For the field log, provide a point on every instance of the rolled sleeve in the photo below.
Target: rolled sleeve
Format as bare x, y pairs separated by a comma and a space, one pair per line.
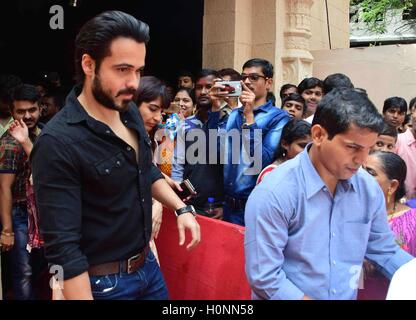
57, 185
155, 173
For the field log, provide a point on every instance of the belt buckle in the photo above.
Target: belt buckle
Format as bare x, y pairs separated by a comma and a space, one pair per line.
132, 260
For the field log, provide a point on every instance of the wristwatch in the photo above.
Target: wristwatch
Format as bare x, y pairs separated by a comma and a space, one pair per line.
188, 208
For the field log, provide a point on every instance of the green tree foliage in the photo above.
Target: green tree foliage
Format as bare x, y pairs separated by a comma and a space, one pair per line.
373, 12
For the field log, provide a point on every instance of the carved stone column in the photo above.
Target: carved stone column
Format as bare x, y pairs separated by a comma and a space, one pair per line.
296, 59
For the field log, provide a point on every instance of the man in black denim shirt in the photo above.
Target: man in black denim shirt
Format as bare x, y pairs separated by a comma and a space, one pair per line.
93, 172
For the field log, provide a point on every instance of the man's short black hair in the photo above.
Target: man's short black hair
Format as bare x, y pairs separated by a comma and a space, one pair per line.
285, 87
25, 92
395, 102
186, 73
266, 66
205, 73
298, 98
309, 83
96, 35
388, 130
336, 80
234, 75
343, 107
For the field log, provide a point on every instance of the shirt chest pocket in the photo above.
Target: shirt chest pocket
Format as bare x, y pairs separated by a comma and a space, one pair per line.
355, 240
111, 166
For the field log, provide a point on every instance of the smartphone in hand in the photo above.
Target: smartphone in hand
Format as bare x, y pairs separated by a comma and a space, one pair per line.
233, 87
188, 189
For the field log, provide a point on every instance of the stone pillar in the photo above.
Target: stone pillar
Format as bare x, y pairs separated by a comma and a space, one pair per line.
296, 59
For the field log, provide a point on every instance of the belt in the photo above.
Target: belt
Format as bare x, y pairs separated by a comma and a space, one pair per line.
236, 203
129, 265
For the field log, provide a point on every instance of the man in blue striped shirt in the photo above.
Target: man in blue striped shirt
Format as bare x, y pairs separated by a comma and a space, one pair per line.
313, 219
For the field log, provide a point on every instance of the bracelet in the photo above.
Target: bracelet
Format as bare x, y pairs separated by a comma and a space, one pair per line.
7, 234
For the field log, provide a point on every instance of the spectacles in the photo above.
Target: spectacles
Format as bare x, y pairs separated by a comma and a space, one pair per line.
252, 76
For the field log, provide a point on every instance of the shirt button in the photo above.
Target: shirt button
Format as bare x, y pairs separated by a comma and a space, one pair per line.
140, 171
107, 171
334, 291
334, 262
128, 148
118, 163
107, 131
142, 199
333, 234
125, 121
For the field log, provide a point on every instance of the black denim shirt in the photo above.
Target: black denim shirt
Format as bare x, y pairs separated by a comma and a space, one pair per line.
94, 199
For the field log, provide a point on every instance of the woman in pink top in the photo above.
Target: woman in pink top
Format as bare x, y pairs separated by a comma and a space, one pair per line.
390, 172
296, 134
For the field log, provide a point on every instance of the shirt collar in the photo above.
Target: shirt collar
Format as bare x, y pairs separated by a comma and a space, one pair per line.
75, 113
264, 108
410, 138
314, 182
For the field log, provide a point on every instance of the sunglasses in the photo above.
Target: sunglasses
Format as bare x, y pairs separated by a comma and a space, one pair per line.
252, 76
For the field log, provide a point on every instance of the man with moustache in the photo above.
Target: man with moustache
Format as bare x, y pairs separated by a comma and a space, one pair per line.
94, 188
313, 220
202, 167
14, 175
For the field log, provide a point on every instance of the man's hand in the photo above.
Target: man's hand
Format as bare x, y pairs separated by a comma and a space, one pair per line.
19, 131
157, 213
219, 213
248, 98
217, 95
188, 221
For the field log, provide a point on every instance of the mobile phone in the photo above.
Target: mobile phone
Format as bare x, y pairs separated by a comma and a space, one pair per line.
233, 87
188, 189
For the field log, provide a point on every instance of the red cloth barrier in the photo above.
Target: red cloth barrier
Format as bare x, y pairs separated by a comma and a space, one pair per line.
214, 270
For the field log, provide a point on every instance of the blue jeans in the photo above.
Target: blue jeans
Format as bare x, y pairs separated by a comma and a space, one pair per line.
233, 216
20, 257
147, 283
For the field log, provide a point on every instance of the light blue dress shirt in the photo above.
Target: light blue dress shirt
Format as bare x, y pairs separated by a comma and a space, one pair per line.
300, 240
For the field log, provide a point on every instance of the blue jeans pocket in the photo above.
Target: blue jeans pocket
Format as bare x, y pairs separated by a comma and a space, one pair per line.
104, 285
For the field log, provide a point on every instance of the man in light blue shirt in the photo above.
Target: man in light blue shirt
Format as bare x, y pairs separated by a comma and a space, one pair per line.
313, 219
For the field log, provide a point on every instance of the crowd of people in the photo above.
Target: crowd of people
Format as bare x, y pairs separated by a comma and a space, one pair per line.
321, 180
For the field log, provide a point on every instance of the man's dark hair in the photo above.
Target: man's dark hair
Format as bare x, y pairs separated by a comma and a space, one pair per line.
186, 73
7, 84
341, 108
284, 88
234, 75
271, 97
293, 130
298, 98
96, 35
395, 168
412, 104
309, 83
25, 92
266, 66
388, 130
336, 80
58, 97
395, 102
205, 73
150, 89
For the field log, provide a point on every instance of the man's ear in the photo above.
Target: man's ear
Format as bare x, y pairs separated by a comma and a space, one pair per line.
88, 65
318, 134
269, 84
